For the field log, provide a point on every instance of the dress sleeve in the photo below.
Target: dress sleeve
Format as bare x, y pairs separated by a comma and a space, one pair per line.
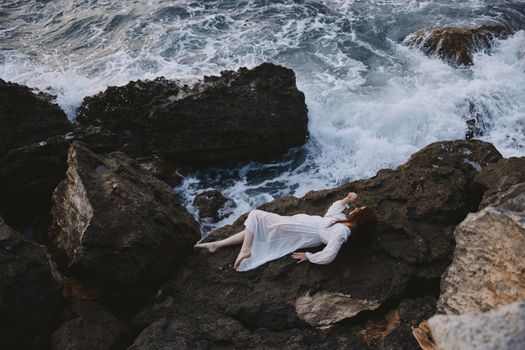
328, 254
336, 208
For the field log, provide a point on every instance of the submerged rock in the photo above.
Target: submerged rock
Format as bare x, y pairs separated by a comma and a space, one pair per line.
32, 152
88, 326
115, 224
209, 204
30, 297
418, 206
249, 114
455, 44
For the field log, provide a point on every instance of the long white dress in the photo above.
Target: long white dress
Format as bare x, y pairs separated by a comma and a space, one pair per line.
276, 235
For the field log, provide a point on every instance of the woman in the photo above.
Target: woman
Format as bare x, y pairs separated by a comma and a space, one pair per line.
269, 236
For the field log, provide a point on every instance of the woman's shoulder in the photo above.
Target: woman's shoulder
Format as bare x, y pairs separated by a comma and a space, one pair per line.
343, 230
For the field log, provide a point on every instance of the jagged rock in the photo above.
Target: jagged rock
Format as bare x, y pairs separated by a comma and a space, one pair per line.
418, 206
32, 152
502, 328
88, 326
117, 225
489, 261
30, 297
455, 44
502, 181
209, 203
249, 114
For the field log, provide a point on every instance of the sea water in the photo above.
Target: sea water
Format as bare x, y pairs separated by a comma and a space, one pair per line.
372, 100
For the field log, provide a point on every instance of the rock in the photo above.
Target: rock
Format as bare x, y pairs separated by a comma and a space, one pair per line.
395, 331
28, 176
502, 328
116, 225
209, 203
27, 118
33, 152
489, 261
88, 326
502, 181
30, 297
418, 205
455, 44
249, 114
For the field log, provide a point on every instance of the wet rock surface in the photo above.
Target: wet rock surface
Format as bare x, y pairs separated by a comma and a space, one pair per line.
116, 225
455, 44
418, 206
88, 326
30, 297
248, 114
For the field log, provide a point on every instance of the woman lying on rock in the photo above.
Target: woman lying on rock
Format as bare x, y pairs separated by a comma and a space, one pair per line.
269, 236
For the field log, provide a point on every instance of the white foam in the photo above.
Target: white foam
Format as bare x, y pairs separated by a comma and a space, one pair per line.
372, 101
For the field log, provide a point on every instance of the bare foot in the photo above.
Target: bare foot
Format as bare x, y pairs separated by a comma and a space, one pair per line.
243, 255
212, 246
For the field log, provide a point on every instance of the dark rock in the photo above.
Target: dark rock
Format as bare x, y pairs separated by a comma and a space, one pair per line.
115, 224
455, 44
28, 176
30, 297
209, 203
502, 181
418, 206
477, 118
88, 326
27, 118
249, 114
395, 330
32, 153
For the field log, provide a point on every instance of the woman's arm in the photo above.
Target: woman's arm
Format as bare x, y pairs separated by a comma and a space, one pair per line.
338, 206
325, 256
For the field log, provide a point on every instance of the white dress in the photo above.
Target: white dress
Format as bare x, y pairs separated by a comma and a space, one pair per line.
276, 235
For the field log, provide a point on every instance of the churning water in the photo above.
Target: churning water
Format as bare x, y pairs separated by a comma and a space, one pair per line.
372, 101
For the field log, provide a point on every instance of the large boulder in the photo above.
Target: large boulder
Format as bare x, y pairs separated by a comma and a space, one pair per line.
33, 150
502, 328
456, 44
418, 206
30, 297
249, 114
88, 326
115, 224
489, 260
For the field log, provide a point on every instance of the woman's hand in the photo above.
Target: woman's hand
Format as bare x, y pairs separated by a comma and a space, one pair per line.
350, 197
300, 257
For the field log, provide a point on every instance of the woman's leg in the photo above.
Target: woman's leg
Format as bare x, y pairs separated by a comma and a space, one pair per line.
235, 239
246, 249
